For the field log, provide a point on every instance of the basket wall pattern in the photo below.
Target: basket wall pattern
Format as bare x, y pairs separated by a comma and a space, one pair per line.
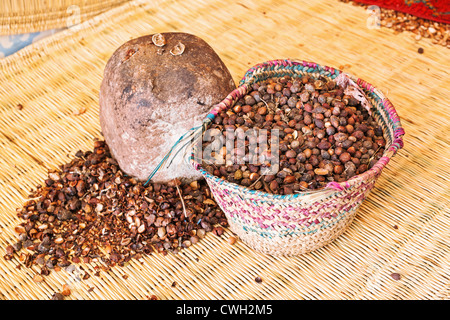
302, 222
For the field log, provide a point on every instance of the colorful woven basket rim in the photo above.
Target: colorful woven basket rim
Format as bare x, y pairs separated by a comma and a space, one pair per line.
309, 67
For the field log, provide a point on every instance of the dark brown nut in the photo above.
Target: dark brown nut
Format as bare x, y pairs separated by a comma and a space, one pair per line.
347, 143
338, 169
340, 137
254, 176
19, 229
57, 296
344, 157
274, 186
218, 231
247, 108
324, 145
358, 134
291, 154
262, 111
321, 171
289, 179
396, 276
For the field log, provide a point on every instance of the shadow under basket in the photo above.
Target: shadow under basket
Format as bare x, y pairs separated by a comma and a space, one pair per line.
302, 222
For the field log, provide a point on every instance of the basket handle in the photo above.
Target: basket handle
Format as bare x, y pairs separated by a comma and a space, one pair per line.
398, 131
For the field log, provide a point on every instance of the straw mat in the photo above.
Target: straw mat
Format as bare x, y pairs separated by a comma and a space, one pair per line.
25, 16
402, 227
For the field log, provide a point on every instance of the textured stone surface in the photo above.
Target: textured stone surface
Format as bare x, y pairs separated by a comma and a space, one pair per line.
148, 99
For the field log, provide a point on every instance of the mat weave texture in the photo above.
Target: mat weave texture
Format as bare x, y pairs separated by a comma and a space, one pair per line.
25, 16
402, 227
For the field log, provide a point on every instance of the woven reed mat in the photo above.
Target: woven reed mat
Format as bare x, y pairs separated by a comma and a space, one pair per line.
402, 227
25, 16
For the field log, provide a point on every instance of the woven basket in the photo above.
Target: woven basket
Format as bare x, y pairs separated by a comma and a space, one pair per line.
298, 223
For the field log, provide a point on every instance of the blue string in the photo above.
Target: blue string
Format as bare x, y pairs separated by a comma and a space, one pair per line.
168, 154
183, 147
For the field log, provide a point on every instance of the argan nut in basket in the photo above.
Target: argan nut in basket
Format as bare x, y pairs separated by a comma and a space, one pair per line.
305, 220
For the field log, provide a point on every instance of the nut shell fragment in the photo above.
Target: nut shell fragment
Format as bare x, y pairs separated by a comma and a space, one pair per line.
158, 40
178, 49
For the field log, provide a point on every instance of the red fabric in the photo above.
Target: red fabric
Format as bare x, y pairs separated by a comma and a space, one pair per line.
436, 10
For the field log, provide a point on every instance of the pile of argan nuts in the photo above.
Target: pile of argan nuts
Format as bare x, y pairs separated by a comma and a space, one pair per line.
91, 211
324, 135
420, 28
